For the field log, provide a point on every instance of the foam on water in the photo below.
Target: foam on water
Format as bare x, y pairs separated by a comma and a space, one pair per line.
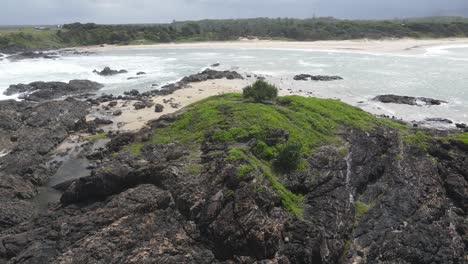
436, 74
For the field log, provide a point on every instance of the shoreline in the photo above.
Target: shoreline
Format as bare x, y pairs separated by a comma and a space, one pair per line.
385, 46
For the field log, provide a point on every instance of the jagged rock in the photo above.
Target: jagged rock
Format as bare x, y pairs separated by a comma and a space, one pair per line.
109, 72
397, 99
39, 91
31, 132
306, 77
212, 74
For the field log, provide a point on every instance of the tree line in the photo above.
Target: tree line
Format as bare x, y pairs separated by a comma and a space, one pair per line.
263, 28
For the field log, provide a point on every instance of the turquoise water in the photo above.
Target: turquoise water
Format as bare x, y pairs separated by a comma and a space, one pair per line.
439, 73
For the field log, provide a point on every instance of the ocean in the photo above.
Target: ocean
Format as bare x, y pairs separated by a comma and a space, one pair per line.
440, 73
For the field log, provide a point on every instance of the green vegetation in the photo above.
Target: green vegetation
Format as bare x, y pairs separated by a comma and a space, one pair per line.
230, 119
31, 39
244, 170
98, 137
360, 209
463, 137
231, 29
194, 168
260, 91
418, 139
289, 157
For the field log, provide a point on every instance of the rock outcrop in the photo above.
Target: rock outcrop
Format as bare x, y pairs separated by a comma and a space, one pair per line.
33, 55
409, 100
40, 91
109, 72
28, 133
322, 78
373, 198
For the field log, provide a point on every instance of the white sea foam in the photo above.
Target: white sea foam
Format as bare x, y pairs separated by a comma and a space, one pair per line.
365, 74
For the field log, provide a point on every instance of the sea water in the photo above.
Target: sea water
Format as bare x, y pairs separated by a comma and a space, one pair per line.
440, 73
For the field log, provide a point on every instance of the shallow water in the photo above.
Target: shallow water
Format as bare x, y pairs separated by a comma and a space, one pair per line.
438, 73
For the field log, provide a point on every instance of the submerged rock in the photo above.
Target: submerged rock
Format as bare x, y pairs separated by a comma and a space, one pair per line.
409, 100
39, 91
306, 77
109, 72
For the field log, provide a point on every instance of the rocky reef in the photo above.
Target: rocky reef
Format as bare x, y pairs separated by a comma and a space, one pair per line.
409, 100
40, 91
321, 78
109, 72
208, 185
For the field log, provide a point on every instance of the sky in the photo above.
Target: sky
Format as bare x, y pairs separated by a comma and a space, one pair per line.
29, 12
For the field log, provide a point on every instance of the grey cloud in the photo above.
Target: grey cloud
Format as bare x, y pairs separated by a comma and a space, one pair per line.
154, 11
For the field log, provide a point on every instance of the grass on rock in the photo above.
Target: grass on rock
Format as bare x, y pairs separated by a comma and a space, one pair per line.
229, 119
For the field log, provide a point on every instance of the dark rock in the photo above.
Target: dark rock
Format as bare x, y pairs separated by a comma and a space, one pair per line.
461, 125
33, 131
397, 99
439, 120
158, 108
141, 73
132, 93
40, 91
215, 65
109, 72
212, 74
117, 112
112, 104
139, 105
306, 77
33, 55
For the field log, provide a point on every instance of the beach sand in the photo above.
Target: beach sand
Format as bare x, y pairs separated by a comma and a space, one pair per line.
405, 46
133, 120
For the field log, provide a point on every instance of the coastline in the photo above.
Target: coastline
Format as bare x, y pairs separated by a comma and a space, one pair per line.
390, 46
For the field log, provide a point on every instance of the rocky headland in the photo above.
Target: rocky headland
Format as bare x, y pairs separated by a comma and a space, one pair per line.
209, 183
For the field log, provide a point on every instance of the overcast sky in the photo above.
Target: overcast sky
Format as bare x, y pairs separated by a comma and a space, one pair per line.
155, 11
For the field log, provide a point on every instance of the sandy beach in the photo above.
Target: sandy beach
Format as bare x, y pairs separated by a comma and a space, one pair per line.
406, 46
133, 120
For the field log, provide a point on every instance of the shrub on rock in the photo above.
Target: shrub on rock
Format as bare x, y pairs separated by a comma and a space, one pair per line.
260, 91
289, 157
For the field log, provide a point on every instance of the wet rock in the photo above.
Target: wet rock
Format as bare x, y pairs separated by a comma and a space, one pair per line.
141, 73
211, 75
40, 91
306, 77
109, 72
439, 120
34, 130
461, 125
33, 55
409, 100
132, 93
215, 65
